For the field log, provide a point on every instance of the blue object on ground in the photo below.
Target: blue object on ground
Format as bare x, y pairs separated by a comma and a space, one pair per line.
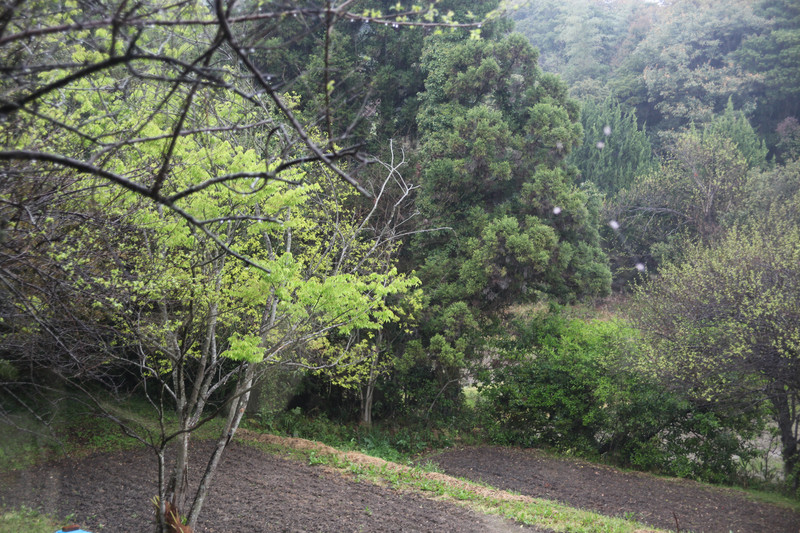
70, 530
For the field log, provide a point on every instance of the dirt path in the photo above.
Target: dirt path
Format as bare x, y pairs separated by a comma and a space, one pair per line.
611, 492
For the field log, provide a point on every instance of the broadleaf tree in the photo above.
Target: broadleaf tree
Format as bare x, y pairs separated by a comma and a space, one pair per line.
697, 192
157, 213
723, 325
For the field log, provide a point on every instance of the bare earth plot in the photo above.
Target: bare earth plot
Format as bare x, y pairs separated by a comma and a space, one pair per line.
611, 492
255, 491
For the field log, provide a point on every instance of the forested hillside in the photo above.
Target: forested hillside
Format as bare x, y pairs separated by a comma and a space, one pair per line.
409, 214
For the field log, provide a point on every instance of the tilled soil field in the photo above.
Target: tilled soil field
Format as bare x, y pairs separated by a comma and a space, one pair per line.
661, 502
255, 491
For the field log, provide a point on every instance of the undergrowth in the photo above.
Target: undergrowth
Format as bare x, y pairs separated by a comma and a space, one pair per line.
399, 444
74, 430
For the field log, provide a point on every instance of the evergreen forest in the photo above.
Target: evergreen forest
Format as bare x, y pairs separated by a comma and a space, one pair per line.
561, 224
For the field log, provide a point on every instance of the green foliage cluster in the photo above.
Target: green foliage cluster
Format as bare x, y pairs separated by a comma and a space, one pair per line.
724, 323
614, 150
735, 126
512, 225
772, 55
581, 40
570, 385
698, 191
495, 179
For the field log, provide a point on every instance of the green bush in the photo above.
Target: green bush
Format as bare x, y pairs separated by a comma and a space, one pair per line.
551, 393
571, 385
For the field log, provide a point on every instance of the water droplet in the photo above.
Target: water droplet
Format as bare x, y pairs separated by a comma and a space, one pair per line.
640, 267
614, 224
607, 130
556, 210
600, 145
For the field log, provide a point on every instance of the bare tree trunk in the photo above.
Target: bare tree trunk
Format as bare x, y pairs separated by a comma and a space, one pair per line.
191, 399
366, 400
368, 394
179, 481
235, 414
787, 425
236, 411
161, 524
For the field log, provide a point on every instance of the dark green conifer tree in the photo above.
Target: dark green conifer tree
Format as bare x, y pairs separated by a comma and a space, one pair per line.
614, 149
494, 131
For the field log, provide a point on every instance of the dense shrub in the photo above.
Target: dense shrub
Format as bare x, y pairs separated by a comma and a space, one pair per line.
550, 396
573, 386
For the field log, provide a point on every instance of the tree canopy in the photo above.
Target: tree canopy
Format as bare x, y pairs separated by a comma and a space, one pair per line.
724, 324
173, 221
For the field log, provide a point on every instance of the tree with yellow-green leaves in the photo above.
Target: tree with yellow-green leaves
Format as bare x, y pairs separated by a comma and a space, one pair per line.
125, 291
171, 223
723, 325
